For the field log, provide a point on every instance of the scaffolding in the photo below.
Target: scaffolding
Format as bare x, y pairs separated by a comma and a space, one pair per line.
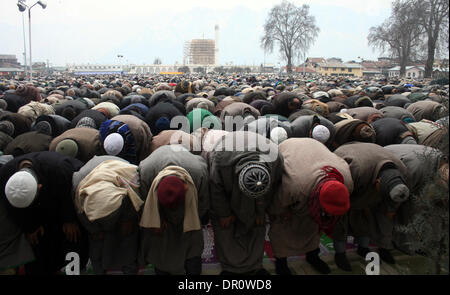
200, 51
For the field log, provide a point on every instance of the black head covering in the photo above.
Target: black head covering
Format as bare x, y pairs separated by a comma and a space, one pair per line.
389, 131
281, 103
255, 95
159, 111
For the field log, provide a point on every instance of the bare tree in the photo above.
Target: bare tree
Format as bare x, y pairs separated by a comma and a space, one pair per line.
445, 35
400, 35
433, 19
291, 28
157, 61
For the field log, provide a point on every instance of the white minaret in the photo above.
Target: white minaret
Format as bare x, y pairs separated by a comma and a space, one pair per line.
216, 51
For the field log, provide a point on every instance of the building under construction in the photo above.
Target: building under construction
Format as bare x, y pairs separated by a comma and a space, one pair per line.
202, 51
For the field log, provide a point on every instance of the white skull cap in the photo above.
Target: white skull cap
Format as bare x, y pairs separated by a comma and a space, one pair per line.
113, 144
321, 133
21, 189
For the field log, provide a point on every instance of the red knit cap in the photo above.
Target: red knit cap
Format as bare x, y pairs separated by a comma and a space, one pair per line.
334, 198
171, 192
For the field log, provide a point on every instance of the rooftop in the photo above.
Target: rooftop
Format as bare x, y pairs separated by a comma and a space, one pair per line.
10, 70
316, 59
340, 65
397, 68
7, 56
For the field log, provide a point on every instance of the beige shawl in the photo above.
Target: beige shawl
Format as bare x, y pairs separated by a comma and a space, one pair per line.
35, 109
101, 192
150, 216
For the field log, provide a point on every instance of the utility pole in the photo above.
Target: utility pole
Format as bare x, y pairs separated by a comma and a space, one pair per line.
24, 49
29, 43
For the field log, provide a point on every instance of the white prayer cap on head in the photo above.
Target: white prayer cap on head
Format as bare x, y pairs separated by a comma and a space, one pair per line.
21, 189
113, 144
278, 135
321, 133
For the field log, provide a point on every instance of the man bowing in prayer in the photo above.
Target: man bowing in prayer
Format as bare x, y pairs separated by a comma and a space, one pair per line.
314, 192
175, 185
38, 189
244, 171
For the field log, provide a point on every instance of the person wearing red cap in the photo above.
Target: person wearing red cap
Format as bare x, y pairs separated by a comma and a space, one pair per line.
171, 192
381, 188
175, 185
315, 190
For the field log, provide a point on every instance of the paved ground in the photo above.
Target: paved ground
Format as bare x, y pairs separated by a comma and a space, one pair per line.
406, 265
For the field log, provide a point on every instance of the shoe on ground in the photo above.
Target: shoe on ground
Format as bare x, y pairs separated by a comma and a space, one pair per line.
342, 261
362, 251
386, 256
281, 268
318, 264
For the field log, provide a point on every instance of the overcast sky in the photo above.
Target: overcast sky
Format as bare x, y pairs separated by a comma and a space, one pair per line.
96, 31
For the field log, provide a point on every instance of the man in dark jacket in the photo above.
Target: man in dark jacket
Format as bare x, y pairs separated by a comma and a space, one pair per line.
286, 103
37, 187
392, 131
380, 187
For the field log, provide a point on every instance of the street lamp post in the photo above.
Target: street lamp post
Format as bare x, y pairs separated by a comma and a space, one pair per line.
22, 7
24, 47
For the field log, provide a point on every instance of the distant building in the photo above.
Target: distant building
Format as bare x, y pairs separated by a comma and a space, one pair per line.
440, 72
9, 61
371, 72
59, 69
10, 72
152, 69
95, 69
300, 70
440, 63
374, 68
200, 51
40, 68
313, 62
335, 60
410, 72
340, 69
9, 66
387, 59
